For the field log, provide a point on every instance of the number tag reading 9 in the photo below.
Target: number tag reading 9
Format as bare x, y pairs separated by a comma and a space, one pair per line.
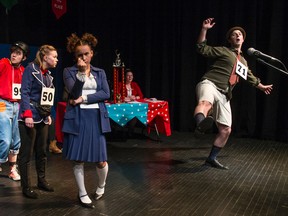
16, 91
241, 70
47, 96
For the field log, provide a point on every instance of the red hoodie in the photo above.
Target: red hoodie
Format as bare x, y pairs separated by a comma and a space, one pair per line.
6, 78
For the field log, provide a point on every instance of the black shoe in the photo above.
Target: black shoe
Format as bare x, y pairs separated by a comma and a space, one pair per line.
204, 126
99, 193
86, 205
27, 192
45, 186
215, 164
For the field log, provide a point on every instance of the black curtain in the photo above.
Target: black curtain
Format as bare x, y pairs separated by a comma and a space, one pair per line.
157, 39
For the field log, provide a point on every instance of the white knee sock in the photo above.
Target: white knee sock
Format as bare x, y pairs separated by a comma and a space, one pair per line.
79, 177
102, 175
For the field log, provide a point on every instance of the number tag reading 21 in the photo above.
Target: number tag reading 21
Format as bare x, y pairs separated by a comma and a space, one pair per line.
241, 70
16, 91
47, 96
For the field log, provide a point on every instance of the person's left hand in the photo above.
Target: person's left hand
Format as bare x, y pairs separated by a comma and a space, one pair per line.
76, 101
49, 120
265, 88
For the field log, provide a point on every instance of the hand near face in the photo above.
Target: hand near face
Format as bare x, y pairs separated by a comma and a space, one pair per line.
81, 65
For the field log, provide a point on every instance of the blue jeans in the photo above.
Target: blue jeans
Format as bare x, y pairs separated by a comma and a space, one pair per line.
9, 130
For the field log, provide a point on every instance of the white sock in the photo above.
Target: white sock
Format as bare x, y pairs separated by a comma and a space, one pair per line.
79, 177
102, 175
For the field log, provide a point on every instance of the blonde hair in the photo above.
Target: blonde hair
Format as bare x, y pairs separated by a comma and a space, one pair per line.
43, 50
74, 41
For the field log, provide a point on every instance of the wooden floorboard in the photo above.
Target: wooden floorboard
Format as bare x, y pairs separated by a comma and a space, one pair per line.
166, 177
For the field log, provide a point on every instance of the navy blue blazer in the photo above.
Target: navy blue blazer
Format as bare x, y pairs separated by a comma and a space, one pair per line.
31, 88
72, 121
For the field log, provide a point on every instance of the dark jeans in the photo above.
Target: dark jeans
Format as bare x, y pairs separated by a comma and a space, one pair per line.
33, 140
51, 131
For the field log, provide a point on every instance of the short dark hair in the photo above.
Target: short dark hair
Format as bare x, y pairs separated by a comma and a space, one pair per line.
20, 45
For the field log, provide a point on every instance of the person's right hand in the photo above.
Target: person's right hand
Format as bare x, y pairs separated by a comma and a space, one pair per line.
208, 23
81, 65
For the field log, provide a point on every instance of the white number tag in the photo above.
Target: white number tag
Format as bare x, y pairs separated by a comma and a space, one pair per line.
241, 70
16, 91
47, 96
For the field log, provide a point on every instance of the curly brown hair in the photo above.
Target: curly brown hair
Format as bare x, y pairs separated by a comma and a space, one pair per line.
74, 41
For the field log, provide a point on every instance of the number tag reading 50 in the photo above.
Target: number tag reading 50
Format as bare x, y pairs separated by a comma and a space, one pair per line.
47, 96
241, 70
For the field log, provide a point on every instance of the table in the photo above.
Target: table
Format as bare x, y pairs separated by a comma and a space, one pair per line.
122, 113
158, 115
153, 114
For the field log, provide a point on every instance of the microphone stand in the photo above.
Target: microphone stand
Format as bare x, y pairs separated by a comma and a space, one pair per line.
270, 65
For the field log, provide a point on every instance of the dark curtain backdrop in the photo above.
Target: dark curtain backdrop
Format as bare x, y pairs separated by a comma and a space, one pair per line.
157, 39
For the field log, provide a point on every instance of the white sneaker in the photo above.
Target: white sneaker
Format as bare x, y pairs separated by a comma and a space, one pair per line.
14, 175
99, 193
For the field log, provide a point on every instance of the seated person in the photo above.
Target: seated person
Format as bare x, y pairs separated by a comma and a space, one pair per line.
133, 91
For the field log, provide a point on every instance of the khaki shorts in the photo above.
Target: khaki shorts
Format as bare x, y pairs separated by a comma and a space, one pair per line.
207, 91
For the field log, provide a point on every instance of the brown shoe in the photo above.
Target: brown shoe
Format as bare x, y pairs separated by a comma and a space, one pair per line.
54, 148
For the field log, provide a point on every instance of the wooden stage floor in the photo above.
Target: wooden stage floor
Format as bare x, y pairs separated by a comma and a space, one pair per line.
166, 178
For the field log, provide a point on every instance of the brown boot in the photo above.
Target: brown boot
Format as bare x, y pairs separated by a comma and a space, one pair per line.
54, 148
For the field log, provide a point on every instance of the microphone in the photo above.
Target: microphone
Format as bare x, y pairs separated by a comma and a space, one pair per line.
253, 52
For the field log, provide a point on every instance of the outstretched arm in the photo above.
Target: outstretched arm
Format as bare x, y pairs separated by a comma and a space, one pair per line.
265, 88
207, 24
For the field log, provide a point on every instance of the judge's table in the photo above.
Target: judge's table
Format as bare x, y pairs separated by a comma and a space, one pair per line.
152, 113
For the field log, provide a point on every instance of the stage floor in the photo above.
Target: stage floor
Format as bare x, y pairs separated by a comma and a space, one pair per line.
165, 178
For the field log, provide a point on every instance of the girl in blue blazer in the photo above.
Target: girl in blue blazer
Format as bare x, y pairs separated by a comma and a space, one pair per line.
37, 90
86, 118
